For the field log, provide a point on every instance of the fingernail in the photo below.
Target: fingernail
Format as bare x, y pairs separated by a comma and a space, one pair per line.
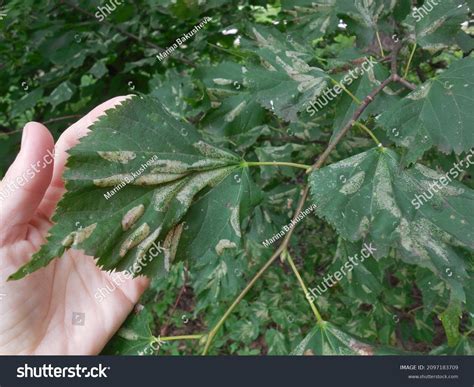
26, 129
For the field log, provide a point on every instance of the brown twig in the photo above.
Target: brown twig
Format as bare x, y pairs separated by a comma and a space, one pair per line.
61, 118
365, 103
304, 194
404, 82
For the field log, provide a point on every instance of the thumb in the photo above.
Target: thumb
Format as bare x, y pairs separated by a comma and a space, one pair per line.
26, 181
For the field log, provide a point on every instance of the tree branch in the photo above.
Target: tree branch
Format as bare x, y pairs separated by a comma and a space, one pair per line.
61, 118
394, 71
365, 103
320, 161
404, 82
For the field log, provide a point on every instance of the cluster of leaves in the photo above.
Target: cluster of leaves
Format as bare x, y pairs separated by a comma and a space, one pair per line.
236, 96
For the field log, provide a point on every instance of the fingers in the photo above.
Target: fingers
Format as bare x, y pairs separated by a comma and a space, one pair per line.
67, 140
25, 183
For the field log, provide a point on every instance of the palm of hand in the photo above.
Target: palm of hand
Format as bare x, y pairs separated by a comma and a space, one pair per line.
54, 310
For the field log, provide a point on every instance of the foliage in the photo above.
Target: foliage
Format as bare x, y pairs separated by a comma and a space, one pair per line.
227, 152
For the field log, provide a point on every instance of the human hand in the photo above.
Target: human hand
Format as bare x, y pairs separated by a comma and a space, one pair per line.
37, 311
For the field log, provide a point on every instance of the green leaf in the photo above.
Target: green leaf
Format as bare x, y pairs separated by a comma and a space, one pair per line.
130, 182
433, 290
212, 234
27, 102
369, 197
276, 342
464, 347
438, 113
451, 319
366, 13
99, 69
61, 94
245, 331
286, 83
313, 19
175, 91
326, 339
236, 108
366, 17
437, 26
134, 337
277, 153
362, 282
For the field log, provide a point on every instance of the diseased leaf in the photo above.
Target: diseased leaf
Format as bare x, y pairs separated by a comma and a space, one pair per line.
366, 17
326, 339
235, 109
362, 281
175, 91
438, 113
437, 24
286, 82
312, 19
276, 342
369, 197
245, 331
61, 94
129, 184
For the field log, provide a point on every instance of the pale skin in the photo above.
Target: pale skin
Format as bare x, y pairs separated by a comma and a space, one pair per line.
36, 311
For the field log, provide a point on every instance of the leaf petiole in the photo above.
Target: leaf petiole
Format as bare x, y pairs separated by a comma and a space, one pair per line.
369, 132
354, 98
286, 255
409, 61
274, 163
184, 337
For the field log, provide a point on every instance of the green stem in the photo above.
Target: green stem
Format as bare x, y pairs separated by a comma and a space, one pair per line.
356, 100
264, 268
369, 132
287, 255
274, 163
409, 61
380, 43
184, 337
236, 302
